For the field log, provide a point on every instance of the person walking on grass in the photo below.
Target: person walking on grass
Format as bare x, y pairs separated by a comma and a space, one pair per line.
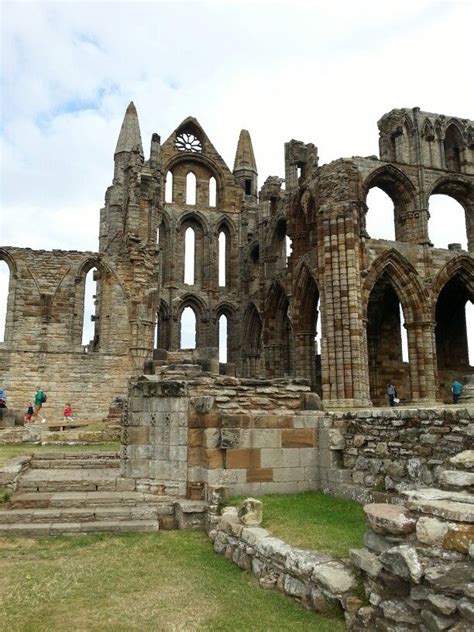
40, 398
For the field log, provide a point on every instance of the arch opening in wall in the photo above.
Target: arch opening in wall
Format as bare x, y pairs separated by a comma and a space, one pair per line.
4, 293
380, 215
212, 191
169, 188
288, 248
189, 255
447, 222
454, 334
387, 344
308, 330
278, 333
162, 329
191, 186
223, 338
453, 143
188, 328
223, 258
251, 342
89, 321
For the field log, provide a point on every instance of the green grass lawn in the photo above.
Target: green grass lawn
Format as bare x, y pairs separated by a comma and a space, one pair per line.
169, 581
312, 520
22, 449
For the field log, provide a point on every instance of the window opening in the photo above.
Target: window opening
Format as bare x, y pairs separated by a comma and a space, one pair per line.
191, 189
380, 216
189, 254
403, 336
158, 235
223, 338
4, 285
188, 328
288, 246
470, 331
248, 187
188, 142
90, 295
222, 258
447, 224
212, 191
169, 187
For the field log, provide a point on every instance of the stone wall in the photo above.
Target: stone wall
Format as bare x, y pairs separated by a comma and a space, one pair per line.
394, 449
417, 564
315, 579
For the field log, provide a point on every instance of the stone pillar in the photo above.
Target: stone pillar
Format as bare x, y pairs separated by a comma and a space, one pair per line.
422, 359
344, 378
304, 365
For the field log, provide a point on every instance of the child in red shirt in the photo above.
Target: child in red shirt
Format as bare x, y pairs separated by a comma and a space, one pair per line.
68, 413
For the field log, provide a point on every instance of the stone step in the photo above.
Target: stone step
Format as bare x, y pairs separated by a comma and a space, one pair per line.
78, 514
41, 500
70, 479
66, 463
456, 479
59, 528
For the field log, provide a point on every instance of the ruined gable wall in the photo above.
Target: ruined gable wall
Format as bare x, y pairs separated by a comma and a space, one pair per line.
43, 342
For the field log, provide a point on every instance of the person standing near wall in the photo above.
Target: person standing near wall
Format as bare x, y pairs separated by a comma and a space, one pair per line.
391, 394
456, 390
40, 398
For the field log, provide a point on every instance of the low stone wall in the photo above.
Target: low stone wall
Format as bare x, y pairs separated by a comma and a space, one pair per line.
379, 453
317, 580
418, 564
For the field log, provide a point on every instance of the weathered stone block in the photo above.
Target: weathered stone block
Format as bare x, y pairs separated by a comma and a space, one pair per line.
298, 438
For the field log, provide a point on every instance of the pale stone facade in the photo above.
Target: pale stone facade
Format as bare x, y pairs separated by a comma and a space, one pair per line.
336, 275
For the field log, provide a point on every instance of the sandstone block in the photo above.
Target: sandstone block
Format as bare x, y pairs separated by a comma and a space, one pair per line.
250, 512
459, 538
246, 458
298, 438
383, 519
264, 474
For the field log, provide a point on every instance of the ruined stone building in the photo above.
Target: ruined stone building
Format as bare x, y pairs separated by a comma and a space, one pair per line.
338, 280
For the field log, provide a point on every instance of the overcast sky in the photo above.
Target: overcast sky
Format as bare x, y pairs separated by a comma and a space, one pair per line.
321, 72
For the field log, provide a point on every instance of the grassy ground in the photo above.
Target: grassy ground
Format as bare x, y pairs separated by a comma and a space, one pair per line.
314, 521
21, 449
169, 581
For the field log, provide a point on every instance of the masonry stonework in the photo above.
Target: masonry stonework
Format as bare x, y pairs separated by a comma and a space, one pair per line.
337, 280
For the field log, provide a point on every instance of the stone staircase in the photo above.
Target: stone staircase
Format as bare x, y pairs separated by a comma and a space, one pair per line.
81, 493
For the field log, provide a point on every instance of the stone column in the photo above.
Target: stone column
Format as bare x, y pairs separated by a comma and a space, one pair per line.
304, 365
422, 359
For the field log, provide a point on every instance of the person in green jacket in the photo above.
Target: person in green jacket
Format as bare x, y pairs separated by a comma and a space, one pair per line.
456, 390
40, 398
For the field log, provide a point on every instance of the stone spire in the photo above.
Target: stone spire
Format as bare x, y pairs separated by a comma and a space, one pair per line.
244, 156
245, 167
129, 136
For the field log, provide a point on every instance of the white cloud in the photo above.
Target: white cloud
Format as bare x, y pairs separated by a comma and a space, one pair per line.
321, 72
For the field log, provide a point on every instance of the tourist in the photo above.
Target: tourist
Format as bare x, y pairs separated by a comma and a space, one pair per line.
29, 412
68, 413
40, 398
391, 393
456, 390
3, 398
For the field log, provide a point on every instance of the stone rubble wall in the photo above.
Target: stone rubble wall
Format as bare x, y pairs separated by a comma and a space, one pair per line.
417, 564
315, 579
379, 453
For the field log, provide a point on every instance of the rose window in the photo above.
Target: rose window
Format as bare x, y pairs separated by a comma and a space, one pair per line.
188, 142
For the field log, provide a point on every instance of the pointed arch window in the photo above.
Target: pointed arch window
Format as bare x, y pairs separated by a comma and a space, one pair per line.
222, 259
223, 323
452, 148
189, 255
89, 313
191, 189
169, 187
188, 328
212, 191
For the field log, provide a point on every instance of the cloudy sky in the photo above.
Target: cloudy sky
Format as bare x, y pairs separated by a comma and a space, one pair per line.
321, 72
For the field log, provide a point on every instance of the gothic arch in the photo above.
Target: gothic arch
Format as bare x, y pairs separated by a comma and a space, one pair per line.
306, 296
404, 279
394, 183
277, 331
251, 341
163, 325
462, 266
201, 313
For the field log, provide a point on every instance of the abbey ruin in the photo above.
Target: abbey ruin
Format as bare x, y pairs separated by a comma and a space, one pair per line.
337, 280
